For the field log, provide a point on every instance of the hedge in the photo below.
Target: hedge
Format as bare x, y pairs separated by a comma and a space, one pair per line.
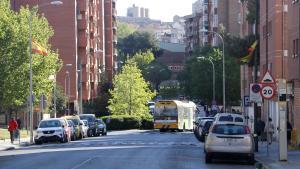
125, 122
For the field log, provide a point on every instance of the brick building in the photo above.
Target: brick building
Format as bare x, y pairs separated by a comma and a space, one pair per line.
211, 15
84, 37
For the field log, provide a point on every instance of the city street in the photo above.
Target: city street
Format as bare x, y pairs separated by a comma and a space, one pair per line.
132, 149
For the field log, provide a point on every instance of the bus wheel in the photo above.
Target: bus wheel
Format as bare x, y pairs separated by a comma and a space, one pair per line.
162, 130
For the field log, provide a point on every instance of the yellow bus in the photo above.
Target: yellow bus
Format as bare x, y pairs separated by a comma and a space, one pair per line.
174, 115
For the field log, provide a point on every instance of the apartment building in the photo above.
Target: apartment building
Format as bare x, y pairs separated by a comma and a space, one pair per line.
84, 37
211, 15
293, 62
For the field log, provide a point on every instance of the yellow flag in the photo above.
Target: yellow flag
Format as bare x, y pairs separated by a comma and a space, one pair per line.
38, 49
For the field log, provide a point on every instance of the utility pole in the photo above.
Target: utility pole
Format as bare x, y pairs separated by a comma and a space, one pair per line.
256, 56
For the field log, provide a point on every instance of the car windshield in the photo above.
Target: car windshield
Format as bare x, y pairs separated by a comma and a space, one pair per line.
89, 118
50, 123
230, 129
100, 121
75, 121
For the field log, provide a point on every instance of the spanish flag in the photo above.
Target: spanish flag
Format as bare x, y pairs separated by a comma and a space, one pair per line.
38, 49
248, 58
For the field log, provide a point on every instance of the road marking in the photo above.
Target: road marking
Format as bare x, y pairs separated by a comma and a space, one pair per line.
84, 162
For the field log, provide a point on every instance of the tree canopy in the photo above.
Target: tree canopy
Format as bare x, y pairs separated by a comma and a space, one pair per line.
197, 81
130, 93
137, 42
14, 56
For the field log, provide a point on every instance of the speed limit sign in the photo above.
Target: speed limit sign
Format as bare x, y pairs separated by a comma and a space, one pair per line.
267, 92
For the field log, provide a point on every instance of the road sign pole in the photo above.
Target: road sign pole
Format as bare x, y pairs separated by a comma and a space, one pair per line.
282, 110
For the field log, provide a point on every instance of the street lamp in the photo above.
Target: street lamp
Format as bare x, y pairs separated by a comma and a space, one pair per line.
80, 90
214, 80
30, 68
67, 82
53, 78
224, 97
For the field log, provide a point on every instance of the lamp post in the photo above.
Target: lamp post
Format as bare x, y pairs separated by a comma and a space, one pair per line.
30, 68
67, 87
53, 78
214, 79
80, 90
224, 89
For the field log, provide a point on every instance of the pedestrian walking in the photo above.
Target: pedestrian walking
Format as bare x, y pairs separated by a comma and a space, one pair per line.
289, 128
260, 129
12, 127
19, 123
270, 129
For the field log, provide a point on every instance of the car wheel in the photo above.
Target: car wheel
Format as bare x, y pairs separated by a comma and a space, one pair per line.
207, 159
251, 160
38, 142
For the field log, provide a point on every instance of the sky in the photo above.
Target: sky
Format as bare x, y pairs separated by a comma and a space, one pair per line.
158, 9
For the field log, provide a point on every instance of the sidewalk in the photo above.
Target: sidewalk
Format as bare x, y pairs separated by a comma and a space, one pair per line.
6, 145
271, 160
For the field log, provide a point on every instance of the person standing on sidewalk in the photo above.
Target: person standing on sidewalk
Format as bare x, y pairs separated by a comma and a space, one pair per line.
270, 129
12, 127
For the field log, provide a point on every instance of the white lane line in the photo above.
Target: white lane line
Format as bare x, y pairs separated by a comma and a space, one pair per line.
84, 162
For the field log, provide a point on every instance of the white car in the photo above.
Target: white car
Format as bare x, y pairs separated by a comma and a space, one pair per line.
84, 127
229, 140
54, 129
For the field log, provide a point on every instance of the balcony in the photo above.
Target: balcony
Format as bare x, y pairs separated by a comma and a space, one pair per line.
82, 25
82, 6
114, 12
82, 39
115, 39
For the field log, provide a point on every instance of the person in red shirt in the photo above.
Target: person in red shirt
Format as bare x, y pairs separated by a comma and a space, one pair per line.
12, 126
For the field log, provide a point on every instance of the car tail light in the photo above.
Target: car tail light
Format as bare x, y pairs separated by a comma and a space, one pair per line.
248, 131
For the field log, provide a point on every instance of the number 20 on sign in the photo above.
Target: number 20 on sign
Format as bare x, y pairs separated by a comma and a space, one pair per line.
267, 92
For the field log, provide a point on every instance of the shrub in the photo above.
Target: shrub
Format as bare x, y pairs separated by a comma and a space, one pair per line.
125, 122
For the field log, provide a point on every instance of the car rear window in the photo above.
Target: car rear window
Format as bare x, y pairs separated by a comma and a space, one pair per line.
226, 118
238, 119
230, 129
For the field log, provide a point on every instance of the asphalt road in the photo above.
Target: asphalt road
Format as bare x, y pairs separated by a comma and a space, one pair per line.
119, 150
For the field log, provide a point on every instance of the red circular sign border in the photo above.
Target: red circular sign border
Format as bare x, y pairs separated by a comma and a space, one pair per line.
267, 85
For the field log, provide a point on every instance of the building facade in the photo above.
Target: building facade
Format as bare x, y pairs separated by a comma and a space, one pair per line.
81, 29
211, 15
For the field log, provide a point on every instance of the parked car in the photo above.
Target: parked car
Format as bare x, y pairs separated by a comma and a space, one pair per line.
93, 129
77, 124
102, 127
229, 140
85, 128
54, 129
72, 129
230, 117
203, 128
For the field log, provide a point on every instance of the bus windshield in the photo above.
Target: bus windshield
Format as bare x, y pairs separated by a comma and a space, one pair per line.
162, 111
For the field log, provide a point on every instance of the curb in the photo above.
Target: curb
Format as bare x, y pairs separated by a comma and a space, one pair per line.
7, 148
260, 165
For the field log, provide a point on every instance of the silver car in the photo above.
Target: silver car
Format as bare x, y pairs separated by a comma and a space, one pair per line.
231, 140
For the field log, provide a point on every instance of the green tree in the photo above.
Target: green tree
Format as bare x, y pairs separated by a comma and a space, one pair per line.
137, 42
143, 59
155, 73
124, 30
196, 79
130, 93
14, 56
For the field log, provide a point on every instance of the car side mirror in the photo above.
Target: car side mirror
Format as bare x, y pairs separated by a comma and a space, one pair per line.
35, 127
63, 126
